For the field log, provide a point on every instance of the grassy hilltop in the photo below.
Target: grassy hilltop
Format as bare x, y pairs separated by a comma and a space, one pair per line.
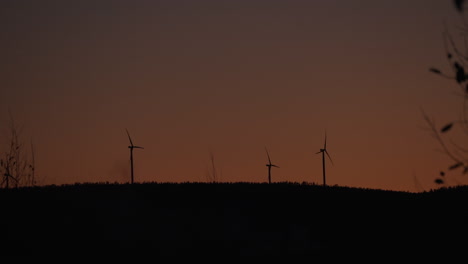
229, 218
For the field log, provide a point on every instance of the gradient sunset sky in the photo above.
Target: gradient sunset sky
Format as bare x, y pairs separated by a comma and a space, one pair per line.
187, 78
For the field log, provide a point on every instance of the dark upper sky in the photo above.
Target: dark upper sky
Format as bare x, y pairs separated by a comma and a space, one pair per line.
230, 77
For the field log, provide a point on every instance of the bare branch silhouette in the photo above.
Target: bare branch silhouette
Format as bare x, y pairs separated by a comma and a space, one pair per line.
457, 58
212, 172
15, 166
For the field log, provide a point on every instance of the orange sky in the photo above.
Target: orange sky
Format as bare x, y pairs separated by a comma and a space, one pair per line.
231, 77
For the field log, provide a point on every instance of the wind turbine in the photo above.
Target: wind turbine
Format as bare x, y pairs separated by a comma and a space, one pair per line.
269, 165
324, 151
131, 147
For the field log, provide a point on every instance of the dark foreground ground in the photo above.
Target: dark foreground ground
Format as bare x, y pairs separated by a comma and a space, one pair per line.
238, 219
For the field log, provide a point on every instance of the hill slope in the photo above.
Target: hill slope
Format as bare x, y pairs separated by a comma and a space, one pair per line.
229, 218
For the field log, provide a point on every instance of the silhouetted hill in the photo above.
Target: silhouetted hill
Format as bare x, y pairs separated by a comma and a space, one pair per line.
242, 219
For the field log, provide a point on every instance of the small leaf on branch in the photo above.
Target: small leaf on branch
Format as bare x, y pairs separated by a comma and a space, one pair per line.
456, 165
442, 173
439, 181
459, 5
434, 70
449, 55
446, 127
460, 75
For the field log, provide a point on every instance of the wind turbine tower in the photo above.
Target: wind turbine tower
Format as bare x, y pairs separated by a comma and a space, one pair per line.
269, 165
131, 147
324, 151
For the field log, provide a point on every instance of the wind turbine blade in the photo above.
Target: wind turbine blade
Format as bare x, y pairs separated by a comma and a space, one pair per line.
268, 155
129, 138
275, 166
137, 147
328, 155
325, 144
